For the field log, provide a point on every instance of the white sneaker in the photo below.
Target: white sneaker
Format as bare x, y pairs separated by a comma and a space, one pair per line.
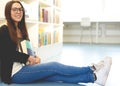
98, 66
102, 74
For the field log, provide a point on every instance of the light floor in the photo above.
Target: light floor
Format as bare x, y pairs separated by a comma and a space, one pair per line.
85, 54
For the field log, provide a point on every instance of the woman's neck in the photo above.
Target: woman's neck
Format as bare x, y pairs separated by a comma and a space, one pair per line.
19, 34
16, 24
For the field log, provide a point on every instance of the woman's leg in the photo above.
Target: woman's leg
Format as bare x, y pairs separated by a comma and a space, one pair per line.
41, 71
85, 78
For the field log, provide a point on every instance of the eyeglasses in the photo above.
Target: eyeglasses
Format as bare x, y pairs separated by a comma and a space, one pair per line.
17, 9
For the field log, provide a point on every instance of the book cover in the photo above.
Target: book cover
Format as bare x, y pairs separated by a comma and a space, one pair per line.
27, 47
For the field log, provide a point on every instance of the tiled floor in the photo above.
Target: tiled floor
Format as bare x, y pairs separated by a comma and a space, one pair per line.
85, 54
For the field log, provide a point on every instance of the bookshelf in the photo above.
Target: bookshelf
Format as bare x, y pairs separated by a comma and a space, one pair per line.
45, 27
2, 18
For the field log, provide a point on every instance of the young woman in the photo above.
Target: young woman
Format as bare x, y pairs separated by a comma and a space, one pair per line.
13, 62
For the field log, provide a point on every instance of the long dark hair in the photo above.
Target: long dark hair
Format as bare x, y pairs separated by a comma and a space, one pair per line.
11, 24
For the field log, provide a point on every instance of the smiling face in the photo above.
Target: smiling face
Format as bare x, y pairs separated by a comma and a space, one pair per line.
16, 12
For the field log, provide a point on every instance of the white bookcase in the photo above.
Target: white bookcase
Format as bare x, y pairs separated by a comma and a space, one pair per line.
45, 27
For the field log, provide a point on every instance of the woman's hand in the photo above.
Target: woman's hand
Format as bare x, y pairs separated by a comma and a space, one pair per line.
38, 60
31, 60
34, 60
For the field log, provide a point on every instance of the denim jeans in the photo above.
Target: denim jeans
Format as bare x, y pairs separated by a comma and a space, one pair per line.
54, 71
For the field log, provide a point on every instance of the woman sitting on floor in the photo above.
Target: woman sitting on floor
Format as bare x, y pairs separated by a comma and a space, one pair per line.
13, 62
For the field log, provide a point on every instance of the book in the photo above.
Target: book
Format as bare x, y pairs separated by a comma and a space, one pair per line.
27, 47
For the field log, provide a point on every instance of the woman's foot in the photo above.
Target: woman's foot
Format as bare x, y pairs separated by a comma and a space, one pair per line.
98, 66
103, 73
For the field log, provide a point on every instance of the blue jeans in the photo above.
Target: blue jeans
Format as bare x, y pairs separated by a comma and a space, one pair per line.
54, 71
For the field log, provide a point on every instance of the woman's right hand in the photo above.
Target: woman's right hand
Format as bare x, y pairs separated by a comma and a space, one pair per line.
32, 60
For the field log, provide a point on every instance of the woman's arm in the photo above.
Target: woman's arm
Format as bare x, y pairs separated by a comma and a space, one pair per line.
8, 48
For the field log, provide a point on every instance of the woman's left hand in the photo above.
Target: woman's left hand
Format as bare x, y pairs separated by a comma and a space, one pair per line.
37, 60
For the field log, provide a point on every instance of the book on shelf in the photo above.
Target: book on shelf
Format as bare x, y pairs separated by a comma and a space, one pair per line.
43, 13
56, 37
26, 47
44, 37
41, 36
49, 37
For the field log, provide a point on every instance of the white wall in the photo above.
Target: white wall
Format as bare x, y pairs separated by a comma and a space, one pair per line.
108, 32
97, 10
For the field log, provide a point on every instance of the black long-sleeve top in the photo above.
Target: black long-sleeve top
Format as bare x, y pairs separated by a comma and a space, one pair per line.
8, 55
